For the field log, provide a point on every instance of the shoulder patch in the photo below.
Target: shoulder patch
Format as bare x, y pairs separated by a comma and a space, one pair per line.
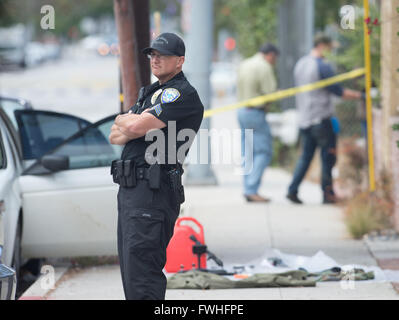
155, 96
170, 95
157, 108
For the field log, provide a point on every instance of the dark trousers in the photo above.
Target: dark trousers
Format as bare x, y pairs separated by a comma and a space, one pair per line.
322, 136
146, 220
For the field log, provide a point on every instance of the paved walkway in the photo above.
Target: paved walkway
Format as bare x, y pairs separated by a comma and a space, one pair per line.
237, 232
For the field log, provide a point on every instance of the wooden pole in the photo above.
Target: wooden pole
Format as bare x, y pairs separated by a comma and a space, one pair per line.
132, 23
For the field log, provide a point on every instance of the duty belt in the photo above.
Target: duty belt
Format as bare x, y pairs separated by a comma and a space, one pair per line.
126, 174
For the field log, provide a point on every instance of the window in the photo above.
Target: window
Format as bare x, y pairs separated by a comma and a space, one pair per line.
42, 131
91, 147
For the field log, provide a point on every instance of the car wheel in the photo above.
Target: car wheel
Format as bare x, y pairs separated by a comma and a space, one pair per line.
16, 259
34, 266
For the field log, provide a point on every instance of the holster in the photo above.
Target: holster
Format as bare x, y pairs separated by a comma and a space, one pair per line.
175, 180
129, 173
154, 176
124, 173
113, 171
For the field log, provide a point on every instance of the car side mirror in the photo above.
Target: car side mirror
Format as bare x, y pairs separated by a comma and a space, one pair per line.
55, 162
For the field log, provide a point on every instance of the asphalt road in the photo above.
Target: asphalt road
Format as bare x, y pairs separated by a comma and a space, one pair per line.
80, 83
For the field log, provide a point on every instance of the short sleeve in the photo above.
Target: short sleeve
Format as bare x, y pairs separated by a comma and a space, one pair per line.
176, 106
325, 72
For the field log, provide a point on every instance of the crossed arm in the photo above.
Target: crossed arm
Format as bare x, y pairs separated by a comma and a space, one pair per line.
131, 126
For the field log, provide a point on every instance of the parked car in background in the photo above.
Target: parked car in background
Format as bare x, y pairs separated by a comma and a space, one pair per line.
101, 44
12, 45
35, 53
38, 52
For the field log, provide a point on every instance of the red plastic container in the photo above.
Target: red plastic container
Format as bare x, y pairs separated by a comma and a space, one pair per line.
180, 249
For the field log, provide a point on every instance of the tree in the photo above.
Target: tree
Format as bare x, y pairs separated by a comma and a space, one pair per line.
252, 21
326, 12
350, 54
68, 13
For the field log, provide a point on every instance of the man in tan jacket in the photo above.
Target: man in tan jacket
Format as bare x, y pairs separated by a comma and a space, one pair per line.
255, 78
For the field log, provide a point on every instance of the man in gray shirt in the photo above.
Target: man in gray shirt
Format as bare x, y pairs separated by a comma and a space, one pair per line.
315, 110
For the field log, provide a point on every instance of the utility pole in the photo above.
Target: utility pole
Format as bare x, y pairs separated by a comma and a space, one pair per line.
295, 39
132, 21
198, 18
387, 138
141, 10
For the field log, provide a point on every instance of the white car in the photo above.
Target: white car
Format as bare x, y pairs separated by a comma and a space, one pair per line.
9, 200
68, 196
63, 200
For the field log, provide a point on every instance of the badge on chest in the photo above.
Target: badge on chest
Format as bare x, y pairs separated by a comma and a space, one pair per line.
155, 96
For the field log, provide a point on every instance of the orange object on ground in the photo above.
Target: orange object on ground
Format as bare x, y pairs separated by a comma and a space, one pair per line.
241, 276
180, 249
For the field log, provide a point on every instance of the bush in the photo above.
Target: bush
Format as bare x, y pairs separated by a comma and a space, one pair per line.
352, 167
369, 211
284, 156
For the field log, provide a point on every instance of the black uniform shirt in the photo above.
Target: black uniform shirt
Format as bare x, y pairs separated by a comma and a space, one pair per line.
175, 100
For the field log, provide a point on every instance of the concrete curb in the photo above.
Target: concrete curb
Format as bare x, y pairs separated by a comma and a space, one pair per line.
38, 291
386, 253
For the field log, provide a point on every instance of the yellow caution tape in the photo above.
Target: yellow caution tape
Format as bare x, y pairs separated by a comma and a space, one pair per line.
287, 92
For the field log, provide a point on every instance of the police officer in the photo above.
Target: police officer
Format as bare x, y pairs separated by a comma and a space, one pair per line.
150, 191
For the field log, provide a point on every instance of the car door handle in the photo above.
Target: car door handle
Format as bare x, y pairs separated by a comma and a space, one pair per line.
2, 206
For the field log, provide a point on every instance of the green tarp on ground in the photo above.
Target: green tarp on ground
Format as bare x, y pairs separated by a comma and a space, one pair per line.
195, 279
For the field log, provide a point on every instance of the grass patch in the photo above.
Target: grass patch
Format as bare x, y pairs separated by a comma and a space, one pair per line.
367, 212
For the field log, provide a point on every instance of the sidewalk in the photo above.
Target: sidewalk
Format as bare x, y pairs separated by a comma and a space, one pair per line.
237, 232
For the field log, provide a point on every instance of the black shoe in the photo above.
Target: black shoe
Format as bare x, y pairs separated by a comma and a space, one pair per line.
330, 199
256, 198
294, 198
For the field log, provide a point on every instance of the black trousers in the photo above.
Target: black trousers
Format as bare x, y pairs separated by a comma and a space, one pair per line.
146, 220
321, 135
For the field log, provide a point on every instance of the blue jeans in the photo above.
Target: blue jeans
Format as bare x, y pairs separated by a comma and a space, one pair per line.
256, 149
322, 136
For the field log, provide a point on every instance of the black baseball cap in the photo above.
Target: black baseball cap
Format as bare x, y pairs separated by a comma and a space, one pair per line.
167, 43
269, 48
